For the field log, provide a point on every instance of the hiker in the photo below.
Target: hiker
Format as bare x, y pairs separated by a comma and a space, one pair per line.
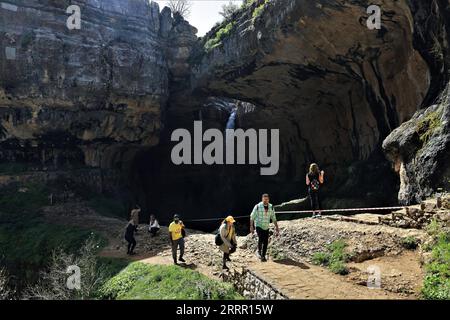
135, 215
176, 233
153, 226
260, 218
314, 179
227, 233
129, 236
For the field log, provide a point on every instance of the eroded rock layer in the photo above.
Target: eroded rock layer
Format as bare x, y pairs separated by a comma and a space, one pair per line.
112, 93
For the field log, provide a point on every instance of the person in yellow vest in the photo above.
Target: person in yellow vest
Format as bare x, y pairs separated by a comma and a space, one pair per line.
176, 238
227, 233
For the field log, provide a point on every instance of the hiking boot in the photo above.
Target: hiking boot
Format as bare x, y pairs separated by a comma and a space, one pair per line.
263, 259
181, 260
175, 263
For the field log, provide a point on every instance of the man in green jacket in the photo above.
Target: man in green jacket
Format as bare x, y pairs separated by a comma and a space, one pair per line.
261, 217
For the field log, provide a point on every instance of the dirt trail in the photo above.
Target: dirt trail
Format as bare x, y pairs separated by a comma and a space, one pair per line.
294, 276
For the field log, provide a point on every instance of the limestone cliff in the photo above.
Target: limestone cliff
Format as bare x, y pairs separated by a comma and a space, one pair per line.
112, 92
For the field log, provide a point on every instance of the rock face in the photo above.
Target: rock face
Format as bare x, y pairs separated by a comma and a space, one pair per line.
334, 88
110, 94
82, 96
420, 148
420, 151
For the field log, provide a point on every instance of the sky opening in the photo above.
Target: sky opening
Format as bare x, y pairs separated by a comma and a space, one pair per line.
204, 13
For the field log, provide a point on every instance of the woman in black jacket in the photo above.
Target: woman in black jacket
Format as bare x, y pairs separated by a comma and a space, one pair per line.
314, 180
129, 236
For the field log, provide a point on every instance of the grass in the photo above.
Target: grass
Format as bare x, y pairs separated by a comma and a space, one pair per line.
436, 285
155, 282
334, 258
109, 207
26, 239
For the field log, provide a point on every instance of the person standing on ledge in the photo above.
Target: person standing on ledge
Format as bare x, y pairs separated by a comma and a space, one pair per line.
176, 229
260, 219
314, 180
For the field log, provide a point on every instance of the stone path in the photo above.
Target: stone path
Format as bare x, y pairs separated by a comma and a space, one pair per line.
294, 276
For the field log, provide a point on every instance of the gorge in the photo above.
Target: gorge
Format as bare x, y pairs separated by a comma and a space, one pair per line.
100, 103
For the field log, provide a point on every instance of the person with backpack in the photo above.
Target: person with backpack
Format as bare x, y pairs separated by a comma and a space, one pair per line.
262, 214
177, 234
131, 228
226, 240
314, 180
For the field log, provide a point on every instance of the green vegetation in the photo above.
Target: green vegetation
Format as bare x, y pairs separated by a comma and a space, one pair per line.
436, 285
142, 281
259, 10
428, 125
219, 36
107, 206
26, 239
276, 254
13, 168
321, 258
410, 243
335, 257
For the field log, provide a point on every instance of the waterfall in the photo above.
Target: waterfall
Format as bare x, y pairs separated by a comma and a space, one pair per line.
231, 124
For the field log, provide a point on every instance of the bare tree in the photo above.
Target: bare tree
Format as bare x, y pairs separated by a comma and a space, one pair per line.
182, 7
52, 284
229, 9
5, 292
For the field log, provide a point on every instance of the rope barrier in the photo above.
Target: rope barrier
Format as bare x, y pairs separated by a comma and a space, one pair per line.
308, 212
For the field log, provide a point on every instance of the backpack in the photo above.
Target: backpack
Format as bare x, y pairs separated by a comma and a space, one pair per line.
218, 239
314, 184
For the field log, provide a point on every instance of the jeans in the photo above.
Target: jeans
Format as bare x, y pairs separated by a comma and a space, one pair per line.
315, 201
131, 244
263, 241
175, 245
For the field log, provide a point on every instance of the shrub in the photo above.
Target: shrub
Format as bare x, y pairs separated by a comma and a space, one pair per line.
321, 258
52, 283
219, 36
335, 257
410, 243
338, 267
6, 292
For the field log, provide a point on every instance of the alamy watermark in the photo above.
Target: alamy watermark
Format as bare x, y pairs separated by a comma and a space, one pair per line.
74, 280
374, 277
374, 20
235, 146
74, 20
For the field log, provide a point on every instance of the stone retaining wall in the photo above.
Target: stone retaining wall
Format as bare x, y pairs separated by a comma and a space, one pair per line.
253, 287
